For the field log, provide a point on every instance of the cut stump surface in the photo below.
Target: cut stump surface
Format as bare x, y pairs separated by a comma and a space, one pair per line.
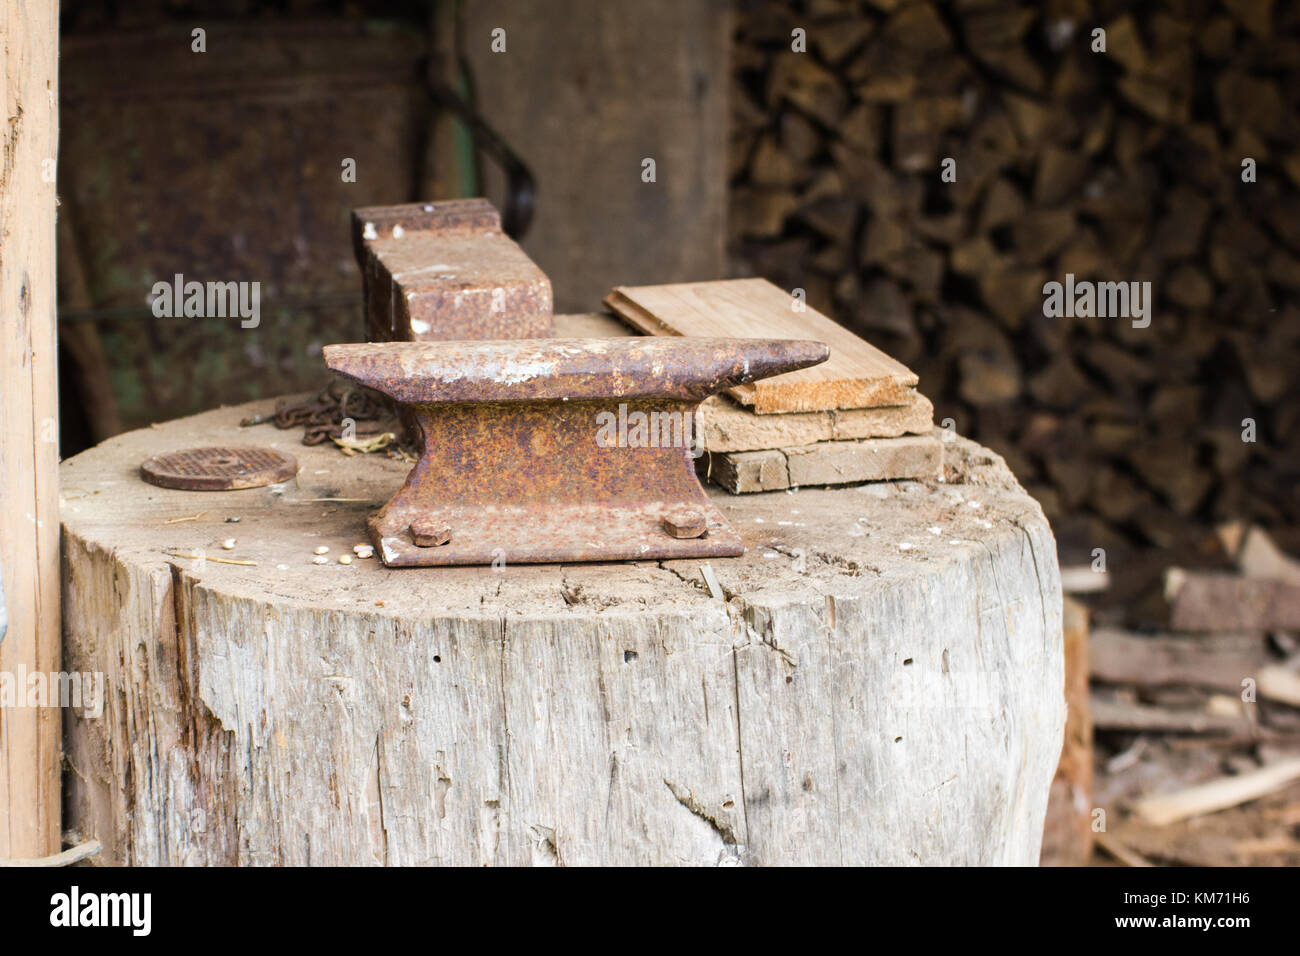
879, 682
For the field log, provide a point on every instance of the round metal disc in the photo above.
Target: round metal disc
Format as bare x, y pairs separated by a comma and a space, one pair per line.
218, 469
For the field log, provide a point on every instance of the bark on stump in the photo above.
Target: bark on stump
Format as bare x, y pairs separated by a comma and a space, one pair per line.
880, 683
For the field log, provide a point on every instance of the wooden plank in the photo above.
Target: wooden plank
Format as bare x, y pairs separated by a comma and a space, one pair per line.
722, 425
589, 325
828, 463
913, 417
857, 375
29, 451
747, 471
873, 459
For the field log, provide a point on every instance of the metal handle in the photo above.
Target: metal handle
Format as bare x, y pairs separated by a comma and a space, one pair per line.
521, 190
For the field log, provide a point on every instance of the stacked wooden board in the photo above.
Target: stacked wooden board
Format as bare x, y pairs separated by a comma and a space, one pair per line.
857, 417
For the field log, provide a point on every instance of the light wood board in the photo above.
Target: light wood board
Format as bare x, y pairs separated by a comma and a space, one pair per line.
722, 425
828, 463
29, 438
857, 375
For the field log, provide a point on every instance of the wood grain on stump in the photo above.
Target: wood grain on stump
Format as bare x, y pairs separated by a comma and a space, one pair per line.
879, 683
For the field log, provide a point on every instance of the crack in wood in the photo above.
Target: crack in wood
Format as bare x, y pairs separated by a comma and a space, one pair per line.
687, 799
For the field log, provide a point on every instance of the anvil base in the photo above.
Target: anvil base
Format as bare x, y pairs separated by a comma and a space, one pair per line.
501, 535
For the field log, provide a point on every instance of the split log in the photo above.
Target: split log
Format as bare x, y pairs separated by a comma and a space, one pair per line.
1220, 661
1280, 684
1217, 601
1111, 714
842, 699
1163, 809
1256, 556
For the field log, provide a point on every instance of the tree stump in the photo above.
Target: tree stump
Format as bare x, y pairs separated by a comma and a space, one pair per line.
878, 682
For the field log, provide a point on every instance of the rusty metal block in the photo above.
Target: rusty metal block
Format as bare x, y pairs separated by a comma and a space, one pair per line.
445, 270
557, 450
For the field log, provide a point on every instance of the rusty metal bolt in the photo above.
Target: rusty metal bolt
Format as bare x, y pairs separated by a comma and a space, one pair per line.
684, 524
429, 532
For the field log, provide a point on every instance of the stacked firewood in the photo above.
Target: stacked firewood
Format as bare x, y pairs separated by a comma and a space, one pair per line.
1173, 157
1202, 717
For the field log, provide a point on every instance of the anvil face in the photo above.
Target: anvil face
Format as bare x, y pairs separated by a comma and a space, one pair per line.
557, 450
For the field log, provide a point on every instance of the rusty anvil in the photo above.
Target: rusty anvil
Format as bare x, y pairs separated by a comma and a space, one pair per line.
557, 450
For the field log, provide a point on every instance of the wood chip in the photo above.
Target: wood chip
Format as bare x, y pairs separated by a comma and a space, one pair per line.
711, 580
193, 517
208, 557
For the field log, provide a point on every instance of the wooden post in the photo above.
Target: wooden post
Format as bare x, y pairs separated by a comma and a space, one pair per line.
587, 98
29, 456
